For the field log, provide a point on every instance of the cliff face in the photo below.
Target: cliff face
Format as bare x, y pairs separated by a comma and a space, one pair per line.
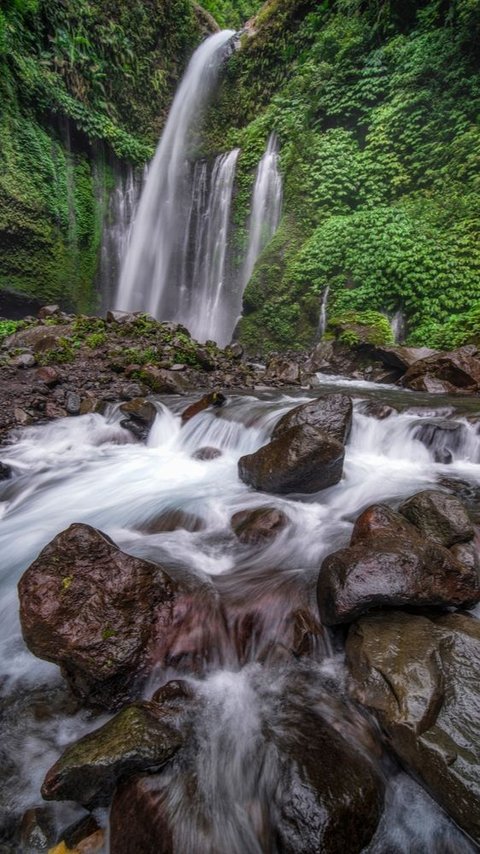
83, 83
375, 105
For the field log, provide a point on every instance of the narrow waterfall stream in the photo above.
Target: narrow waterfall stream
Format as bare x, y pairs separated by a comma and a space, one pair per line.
90, 469
266, 206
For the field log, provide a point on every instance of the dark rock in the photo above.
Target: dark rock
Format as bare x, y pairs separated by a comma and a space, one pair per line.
131, 391
439, 517
388, 564
320, 358
468, 555
331, 796
80, 831
90, 608
235, 350
458, 370
164, 382
53, 410
72, 403
143, 736
215, 398
204, 358
140, 410
140, 819
421, 679
376, 409
402, 357
38, 338
206, 453
302, 459
261, 525
122, 317
48, 311
24, 360
5, 472
284, 370
331, 413
37, 829
47, 375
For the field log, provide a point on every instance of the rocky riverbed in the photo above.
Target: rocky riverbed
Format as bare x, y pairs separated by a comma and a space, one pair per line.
258, 608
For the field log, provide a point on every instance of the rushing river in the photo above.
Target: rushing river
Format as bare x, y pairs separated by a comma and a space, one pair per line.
90, 469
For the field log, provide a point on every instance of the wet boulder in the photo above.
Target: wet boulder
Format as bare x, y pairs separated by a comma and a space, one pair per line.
214, 398
303, 459
90, 608
163, 381
455, 371
388, 564
143, 736
331, 413
421, 678
439, 517
283, 370
140, 415
401, 357
259, 526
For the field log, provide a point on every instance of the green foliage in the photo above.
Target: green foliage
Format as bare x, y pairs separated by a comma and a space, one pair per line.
8, 327
231, 13
376, 109
458, 330
363, 327
79, 79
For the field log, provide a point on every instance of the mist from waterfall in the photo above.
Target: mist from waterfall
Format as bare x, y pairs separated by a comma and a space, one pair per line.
266, 207
152, 269
121, 207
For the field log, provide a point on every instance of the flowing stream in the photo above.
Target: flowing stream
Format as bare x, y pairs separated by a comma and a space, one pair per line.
90, 469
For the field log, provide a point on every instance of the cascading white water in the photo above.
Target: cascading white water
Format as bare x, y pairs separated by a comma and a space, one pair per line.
90, 469
266, 207
150, 275
117, 227
204, 304
322, 319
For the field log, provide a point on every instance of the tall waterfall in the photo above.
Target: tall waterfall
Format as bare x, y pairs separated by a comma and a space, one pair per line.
204, 294
266, 206
151, 275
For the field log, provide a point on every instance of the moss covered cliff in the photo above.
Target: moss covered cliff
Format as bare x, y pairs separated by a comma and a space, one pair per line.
82, 82
376, 106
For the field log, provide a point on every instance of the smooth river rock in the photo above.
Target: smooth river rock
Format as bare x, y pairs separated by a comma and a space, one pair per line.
438, 516
458, 370
421, 678
302, 459
258, 526
389, 564
331, 413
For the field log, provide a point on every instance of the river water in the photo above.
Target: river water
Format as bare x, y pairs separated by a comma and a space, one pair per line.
90, 469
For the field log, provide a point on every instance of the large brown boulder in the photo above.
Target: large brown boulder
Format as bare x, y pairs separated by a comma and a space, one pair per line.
439, 516
141, 737
402, 357
107, 618
303, 459
458, 370
388, 564
421, 678
331, 413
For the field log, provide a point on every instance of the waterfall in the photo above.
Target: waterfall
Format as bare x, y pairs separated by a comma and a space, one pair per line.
322, 319
121, 208
203, 279
151, 273
397, 325
266, 206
